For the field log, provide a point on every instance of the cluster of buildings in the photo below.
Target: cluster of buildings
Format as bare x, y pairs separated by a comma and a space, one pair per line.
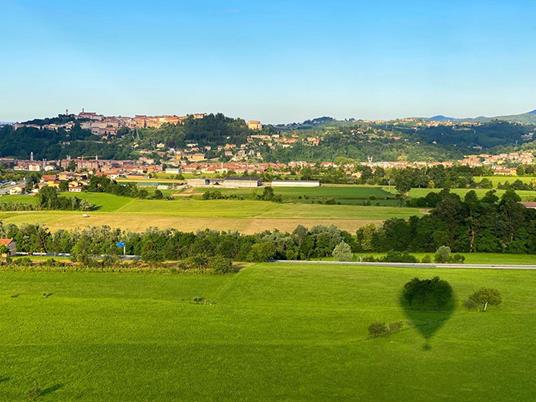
504, 163
109, 125
113, 168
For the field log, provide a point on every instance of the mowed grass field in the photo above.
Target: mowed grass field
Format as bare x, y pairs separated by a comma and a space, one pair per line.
343, 194
247, 216
270, 332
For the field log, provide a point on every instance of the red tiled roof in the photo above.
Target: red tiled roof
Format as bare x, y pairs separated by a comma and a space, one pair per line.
5, 242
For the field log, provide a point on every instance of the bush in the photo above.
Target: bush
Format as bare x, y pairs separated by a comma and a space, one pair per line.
213, 195
377, 329
261, 252
457, 259
442, 255
342, 252
221, 265
426, 259
196, 262
23, 261
398, 256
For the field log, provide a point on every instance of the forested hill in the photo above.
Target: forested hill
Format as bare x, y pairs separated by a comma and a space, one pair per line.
56, 144
353, 139
485, 136
213, 129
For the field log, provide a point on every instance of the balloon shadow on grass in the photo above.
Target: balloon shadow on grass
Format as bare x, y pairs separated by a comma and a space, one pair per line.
428, 304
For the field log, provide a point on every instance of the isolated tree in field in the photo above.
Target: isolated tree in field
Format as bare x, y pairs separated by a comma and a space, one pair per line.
342, 252
442, 255
484, 297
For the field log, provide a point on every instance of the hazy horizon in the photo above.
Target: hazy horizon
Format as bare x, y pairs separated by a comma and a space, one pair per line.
277, 61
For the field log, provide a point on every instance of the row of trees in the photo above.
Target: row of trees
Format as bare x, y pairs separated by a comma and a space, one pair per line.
102, 184
489, 224
170, 244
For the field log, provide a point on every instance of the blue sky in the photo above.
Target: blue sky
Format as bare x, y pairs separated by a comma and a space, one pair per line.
277, 61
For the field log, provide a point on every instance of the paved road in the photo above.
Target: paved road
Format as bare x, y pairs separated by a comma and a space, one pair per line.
416, 265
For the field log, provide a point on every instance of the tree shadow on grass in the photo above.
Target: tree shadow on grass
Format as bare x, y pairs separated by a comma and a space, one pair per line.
4, 379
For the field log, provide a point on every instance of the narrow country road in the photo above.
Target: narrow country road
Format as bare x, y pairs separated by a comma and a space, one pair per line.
413, 265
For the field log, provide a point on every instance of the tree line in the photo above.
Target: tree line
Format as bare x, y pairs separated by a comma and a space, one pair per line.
489, 224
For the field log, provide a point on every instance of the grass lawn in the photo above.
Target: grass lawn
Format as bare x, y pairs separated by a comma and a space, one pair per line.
271, 332
19, 199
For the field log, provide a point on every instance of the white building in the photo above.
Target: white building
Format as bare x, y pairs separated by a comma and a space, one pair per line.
241, 182
295, 183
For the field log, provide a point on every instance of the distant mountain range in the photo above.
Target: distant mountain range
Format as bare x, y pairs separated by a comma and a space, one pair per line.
523, 118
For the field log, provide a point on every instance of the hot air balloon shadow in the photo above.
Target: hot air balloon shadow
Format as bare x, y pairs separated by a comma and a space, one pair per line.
428, 304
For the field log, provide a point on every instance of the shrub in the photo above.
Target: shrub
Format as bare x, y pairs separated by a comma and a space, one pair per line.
377, 329
426, 259
23, 261
442, 255
457, 259
196, 262
398, 256
221, 265
342, 252
261, 252
213, 195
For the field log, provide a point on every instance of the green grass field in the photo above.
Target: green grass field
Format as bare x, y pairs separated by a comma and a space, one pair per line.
503, 179
186, 214
343, 194
271, 332
472, 258
422, 192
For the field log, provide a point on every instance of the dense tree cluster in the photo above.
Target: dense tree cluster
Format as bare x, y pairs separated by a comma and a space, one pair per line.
103, 184
48, 198
158, 245
485, 136
57, 144
213, 129
437, 177
488, 224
